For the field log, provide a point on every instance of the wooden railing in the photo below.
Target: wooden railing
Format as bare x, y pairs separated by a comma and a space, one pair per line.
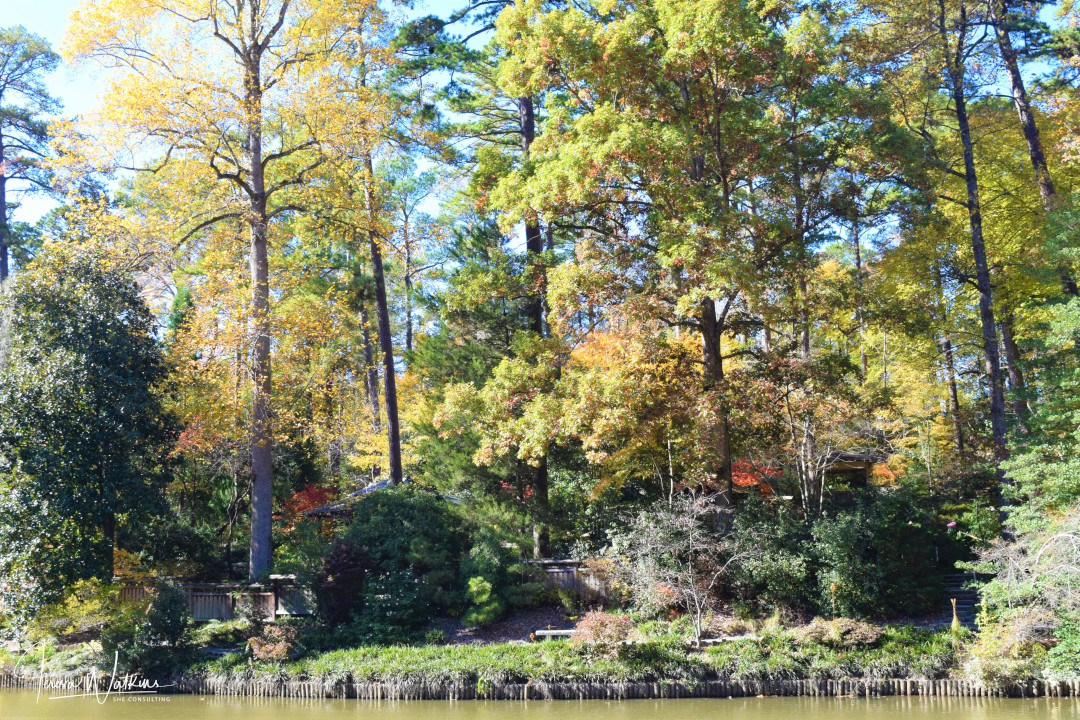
282, 597
220, 601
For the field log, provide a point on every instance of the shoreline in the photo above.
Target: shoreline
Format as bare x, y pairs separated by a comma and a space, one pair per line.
347, 688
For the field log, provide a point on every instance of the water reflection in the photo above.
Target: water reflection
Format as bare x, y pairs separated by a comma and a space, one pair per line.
24, 705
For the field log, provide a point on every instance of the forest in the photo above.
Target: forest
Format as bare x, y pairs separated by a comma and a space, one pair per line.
760, 310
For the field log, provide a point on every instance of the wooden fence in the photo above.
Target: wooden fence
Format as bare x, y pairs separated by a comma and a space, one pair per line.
281, 597
572, 576
221, 601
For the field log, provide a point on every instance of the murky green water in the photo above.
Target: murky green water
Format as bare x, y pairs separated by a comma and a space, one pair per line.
25, 705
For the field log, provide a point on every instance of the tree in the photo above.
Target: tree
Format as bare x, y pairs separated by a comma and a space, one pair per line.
82, 432
938, 51
24, 59
235, 93
670, 555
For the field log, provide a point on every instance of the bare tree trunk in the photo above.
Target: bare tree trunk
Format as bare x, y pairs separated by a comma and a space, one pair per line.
999, 11
408, 294
804, 321
859, 309
108, 532
955, 69
386, 343
262, 491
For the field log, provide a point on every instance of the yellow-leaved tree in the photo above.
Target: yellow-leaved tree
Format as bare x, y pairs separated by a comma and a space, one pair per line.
232, 98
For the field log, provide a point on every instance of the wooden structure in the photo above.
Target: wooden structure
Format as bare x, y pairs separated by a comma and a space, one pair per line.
281, 597
856, 467
572, 576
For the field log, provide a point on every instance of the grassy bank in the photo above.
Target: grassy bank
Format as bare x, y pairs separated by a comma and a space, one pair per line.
777, 661
777, 655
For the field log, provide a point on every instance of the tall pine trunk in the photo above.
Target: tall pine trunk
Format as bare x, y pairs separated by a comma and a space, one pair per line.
371, 372
955, 69
386, 338
954, 395
1017, 385
712, 382
534, 248
4, 233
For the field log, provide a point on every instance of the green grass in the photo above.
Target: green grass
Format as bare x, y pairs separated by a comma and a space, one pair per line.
775, 655
779, 655
550, 661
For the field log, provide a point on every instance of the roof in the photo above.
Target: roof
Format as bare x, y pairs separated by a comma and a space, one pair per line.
345, 504
842, 456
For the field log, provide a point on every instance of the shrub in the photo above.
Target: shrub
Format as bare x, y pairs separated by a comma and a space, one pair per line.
495, 579
86, 610
668, 556
409, 529
840, 633
602, 633
274, 644
877, 557
1063, 660
768, 544
302, 550
339, 587
1007, 650
872, 558
169, 617
435, 636
249, 612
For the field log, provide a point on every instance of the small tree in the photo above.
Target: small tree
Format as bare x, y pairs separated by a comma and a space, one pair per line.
81, 428
669, 556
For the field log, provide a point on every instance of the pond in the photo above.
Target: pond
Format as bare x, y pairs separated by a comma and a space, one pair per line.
25, 705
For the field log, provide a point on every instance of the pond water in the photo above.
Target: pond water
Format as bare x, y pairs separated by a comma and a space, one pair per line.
25, 705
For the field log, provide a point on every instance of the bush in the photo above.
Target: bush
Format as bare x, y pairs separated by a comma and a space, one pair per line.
302, 550
669, 556
840, 633
274, 644
771, 564
435, 636
872, 558
409, 530
1063, 660
339, 587
602, 633
495, 579
90, 605
877, 558
168, 620
1008, 650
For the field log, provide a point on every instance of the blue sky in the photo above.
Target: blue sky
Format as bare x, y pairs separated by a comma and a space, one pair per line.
48, 18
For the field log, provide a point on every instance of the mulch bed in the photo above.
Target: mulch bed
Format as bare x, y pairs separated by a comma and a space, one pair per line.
515, 628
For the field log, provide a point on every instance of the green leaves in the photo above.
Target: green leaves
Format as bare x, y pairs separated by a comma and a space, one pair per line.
81, 428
